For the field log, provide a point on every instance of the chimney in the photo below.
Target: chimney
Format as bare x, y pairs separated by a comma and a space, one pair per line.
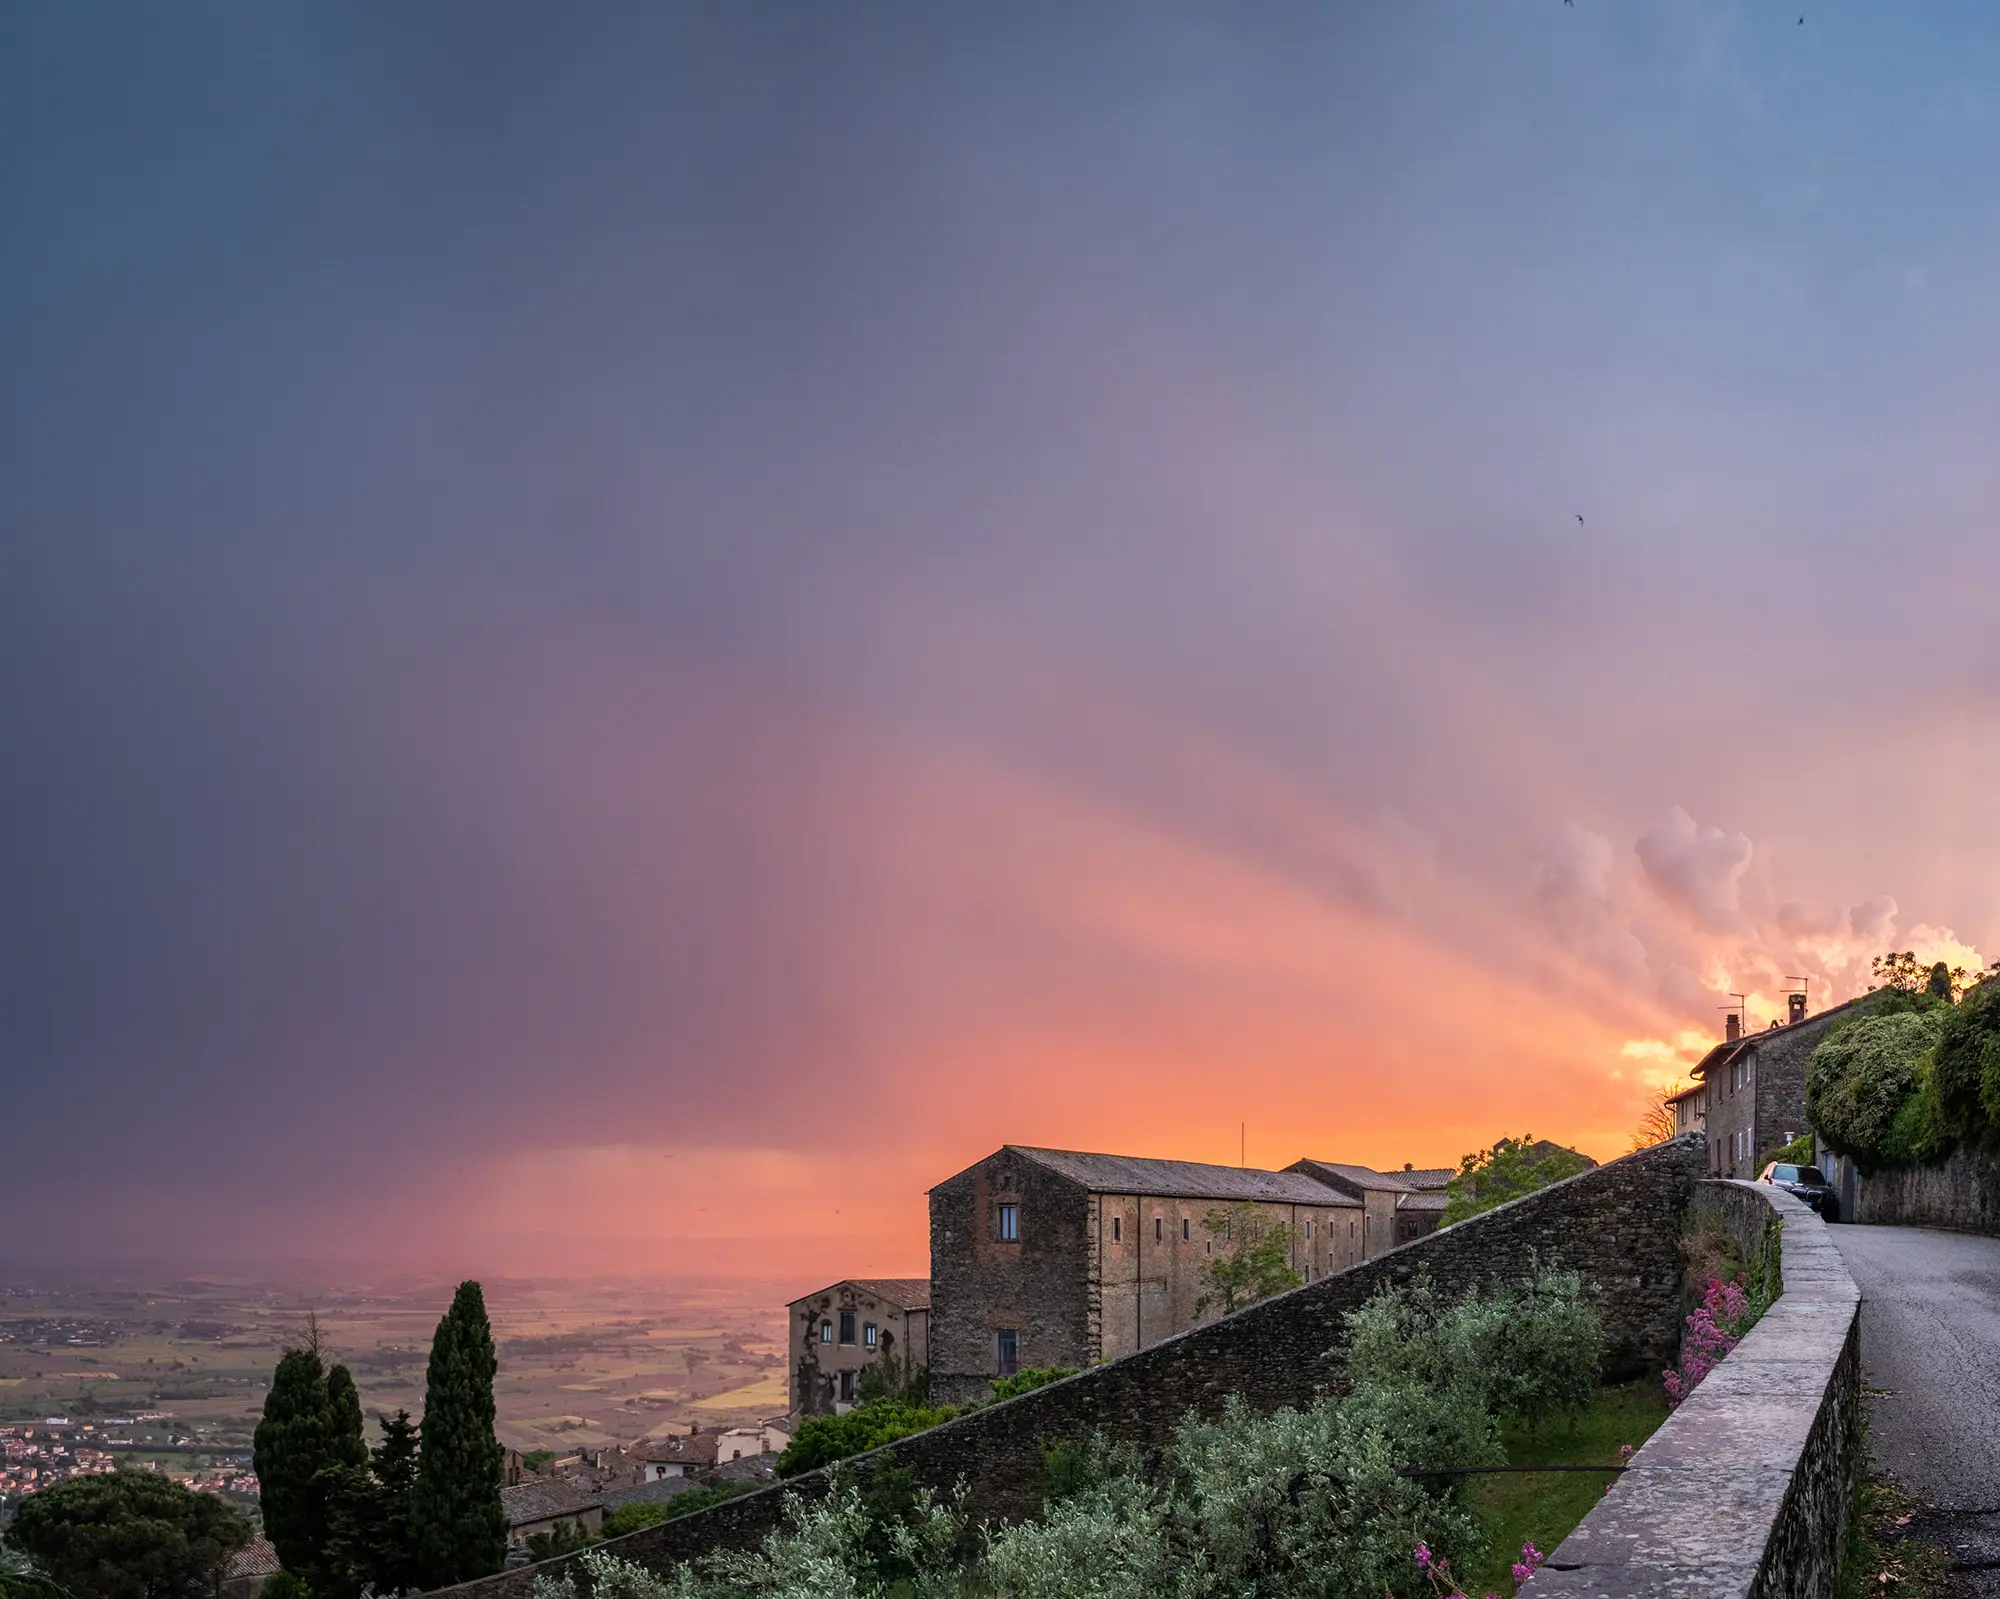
1795, 1005
1732, 1029
1408, 1167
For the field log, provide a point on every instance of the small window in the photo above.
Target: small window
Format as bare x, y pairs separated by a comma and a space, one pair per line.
868, 1334
847, 1326
826, 1332
1008, 1349
1117, 1229
847, 1387
1010, 1224
1309, 1229
1157, 1225
1184, 1229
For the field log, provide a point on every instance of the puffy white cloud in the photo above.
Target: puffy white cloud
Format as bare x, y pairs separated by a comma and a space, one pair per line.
1698, 869
1578, 869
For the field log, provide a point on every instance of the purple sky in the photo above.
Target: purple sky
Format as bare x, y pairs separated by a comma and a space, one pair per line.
745, 590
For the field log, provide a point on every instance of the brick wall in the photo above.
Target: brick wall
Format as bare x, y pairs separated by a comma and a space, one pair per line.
1619, 1224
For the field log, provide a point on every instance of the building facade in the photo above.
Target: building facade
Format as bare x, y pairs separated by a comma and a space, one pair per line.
843, 1329
1047, 1257
1752, 1088
1396, 1206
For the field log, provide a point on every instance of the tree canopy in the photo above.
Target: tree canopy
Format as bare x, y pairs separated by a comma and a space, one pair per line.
1511, 1168
460, 1524
129, 1535
1251, 1260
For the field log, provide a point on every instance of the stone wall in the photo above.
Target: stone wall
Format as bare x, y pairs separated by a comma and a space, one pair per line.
1746, 1490
1962, 1194
1618, 1224
1038, 1285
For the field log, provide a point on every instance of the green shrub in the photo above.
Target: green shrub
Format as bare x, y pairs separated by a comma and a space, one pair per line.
128, 1535
821, 1440
1799, 1152
1025, 1382
1968, 1061
1865, 1072
651, 1512
1528, 1353
284, 1585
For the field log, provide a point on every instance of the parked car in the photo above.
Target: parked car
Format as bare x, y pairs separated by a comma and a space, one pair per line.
1805, 1182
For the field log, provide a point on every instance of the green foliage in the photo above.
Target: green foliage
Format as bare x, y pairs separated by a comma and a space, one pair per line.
1027, 1381
1529, 1352
1511, 1168
1545, 1507
284, 1585
1862, 1076
821, 1440
20, 1580
895, 1377
460, 1527
564, 1538
128, 1535
651, 1512
1968, 1058
1799, 1152
306, 1449
535, 1459
374, 1542
1076, 1466
1252, 1259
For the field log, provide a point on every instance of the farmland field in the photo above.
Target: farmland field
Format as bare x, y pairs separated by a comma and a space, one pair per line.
581, 1363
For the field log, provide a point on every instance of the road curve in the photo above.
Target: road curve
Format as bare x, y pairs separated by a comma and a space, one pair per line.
1930, 1347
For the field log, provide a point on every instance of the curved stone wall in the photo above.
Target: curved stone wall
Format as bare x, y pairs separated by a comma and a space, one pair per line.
1747, 1488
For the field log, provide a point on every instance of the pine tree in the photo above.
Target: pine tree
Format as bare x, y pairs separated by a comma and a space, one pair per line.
460, 1526
392, 1564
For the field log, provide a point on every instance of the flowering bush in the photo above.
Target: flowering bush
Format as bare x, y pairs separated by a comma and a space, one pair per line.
1437, 1570
1724, 1315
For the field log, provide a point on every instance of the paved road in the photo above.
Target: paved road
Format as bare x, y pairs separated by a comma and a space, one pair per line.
1930, 1346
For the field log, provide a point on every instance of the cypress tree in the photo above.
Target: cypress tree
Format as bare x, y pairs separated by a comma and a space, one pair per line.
307, 1448
461, 1528
393, 1567
288, 1451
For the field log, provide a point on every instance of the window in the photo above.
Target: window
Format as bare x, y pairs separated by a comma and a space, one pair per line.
1117, 1229
1309, 1229
868, 1334
1184, 1229
1008, 1343
847, 1326
847, 1387
1010, 1224
826, 1332
1157, 1225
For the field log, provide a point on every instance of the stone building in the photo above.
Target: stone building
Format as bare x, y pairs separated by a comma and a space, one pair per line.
1690, 1109
841, 1330
1049, 1257
1753, 1084
1397, 1206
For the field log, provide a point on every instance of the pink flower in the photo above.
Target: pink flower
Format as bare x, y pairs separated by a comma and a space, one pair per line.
1423, 1557
1625, 1454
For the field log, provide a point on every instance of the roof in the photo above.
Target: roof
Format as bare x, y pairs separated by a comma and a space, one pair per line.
257, 1558
658, 1491
1394, 1182
906, 1293
530, 1502
1423, 1199
1732, 1048
1177, 1179
1675, 1099
698, 1448
1429, 1178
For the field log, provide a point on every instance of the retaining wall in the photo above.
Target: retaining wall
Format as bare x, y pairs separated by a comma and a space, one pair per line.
1745, 1492
1619, 1224
1962, 1193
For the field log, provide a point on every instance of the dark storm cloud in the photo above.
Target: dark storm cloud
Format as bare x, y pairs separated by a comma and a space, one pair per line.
518, 522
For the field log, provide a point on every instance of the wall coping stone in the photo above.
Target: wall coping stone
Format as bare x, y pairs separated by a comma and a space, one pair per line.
1743, 1492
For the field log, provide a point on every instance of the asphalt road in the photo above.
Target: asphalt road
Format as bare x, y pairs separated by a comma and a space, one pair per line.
1930, 1347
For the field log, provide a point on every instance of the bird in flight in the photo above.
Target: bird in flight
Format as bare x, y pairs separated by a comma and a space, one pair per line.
1579, 519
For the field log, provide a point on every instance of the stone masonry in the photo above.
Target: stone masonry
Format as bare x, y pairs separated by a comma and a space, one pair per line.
1619, 1225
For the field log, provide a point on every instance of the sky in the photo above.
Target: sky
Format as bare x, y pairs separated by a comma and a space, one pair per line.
628, 635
